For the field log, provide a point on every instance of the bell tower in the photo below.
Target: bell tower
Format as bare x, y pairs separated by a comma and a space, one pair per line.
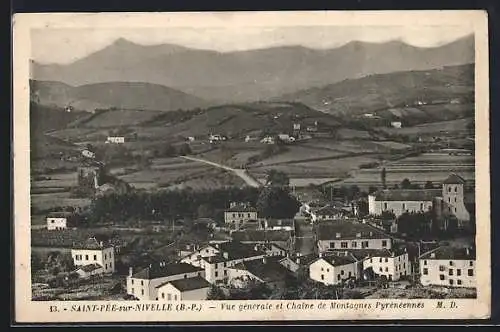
453, 199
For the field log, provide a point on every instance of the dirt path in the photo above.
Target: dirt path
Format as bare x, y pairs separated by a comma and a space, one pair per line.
241, 173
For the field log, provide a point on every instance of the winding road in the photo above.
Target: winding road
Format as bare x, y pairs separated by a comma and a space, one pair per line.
241, 173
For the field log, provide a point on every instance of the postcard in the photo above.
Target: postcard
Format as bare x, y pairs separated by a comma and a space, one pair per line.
251, 166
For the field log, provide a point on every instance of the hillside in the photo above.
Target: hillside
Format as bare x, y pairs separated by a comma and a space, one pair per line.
383, 91
126, 95
249, 75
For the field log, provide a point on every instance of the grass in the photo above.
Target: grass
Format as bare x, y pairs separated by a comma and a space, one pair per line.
459, 125
50, 201
120, 118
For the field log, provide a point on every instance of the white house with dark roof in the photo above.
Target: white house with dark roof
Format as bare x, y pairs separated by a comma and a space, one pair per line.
327, 213
448, 266
449, 200
393, 264
144, 283
333, 269
266, 270
238, 213
190, 289
350, 235
217, 258
297, 262
94, 252
90, 270
279, 224
57, 221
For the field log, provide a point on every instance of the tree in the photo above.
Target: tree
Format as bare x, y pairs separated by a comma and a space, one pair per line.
277, 178
405, 184
215, 293
383, 176
276, 202
185, 149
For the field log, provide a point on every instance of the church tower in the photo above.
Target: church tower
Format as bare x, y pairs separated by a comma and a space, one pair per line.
453, 199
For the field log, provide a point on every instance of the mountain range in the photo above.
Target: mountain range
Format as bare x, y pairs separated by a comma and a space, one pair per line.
248, 75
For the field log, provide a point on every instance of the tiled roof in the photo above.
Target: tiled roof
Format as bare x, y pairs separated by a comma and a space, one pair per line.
92, 244
448, 252
411, 195
269, 271
338, 260
304, 260
59, 214
234, 250
361, 254
261, 235
158, 271
90, 267
348, 230
454, 179
188, 284
329, 211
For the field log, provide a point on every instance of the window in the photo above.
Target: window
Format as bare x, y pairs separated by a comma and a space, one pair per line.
449, 199
249, 215
106, 266
441, 268
142, 282
380, 260
384, 243
322, 269
342, 272
421, 206
459, 272
185, 276
175, 297
455, 189
322, 277
425, 262
206, 251
354, 244
350, 274
451, 263
225, 272
234, 215
471, 263
386, 269
385, 206
380, 269
449, 189
132, 281
338, 276
332, 244
459, 282
142, 291
386, 259
169, 297
441, 277
450, 272
343, 244
327, 270
216, 274
470, 272
105, 256
95, 257
110, 265
199, 274
364, 244
451, 281
86, 257
225, 264
404, 206
425, 271
132, 290
455, 199
371, 260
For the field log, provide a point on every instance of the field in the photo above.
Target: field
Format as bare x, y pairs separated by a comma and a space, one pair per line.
459, 125
434, 167
58, 180
297, 153
120, 118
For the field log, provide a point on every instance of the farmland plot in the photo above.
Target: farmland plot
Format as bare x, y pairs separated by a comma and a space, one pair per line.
53, 200
120, 118
296, 154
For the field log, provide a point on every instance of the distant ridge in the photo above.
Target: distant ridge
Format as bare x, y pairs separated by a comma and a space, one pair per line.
250, 75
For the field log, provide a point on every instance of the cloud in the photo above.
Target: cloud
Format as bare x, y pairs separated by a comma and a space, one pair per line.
69, 44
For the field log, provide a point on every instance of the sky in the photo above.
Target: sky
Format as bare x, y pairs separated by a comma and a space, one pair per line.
65, 45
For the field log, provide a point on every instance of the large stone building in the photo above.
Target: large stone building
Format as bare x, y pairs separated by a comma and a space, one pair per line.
94, 252
449, 200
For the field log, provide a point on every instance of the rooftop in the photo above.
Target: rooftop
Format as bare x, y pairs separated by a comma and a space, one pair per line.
347, 230
426, 195
234, 250
269, 271
158, 271
90, 267
338, 260
304, 260
188, 284
59, 214
280, 222
448, 252
454, 179
329, 211
241, 208
261, 235
92, 244
361, 254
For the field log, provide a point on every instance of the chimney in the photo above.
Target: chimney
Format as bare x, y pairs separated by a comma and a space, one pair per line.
130, 271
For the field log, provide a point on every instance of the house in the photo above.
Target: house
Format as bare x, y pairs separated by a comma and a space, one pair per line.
296, 126
298, 263
273, 250
396, 124
115, 139
280, 224
190, 289
57, 221
239, 213
393, 264
280, 238
449, 200
217, 258
327, 213
286, 138
266, 270
89, 270
350, 235
144, 284
333, 269
94, 252
88, 154
448, 266
268, 140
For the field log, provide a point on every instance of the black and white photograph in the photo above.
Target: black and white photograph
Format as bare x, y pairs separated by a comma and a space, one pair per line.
181, 163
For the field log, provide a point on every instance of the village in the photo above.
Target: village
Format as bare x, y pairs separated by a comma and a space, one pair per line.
395, 242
